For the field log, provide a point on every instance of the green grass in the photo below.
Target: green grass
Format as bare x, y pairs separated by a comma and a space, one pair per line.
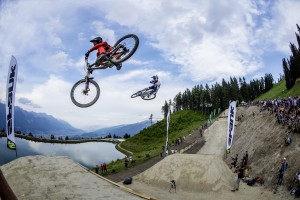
279, 90
148, 143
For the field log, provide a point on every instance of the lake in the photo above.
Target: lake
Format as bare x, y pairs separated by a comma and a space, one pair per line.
88, 154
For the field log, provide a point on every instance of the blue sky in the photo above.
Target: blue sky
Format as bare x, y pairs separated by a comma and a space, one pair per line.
185, 44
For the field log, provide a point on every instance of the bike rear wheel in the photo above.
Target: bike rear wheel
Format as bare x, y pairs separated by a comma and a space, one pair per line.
84, 99
148, 95
129, 44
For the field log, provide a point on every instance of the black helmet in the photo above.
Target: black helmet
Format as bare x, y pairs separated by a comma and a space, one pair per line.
155, 77
96, 40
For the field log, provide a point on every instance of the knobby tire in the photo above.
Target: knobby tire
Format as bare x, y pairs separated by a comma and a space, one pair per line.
90, 103
131, 51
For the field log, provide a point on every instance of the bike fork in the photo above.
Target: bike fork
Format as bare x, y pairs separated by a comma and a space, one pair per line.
87, 89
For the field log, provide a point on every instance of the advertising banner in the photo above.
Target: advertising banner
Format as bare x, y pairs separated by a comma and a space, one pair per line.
10, 102
231, 122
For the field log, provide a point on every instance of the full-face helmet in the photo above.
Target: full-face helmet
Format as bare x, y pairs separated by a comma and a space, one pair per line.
155, 79
96, 40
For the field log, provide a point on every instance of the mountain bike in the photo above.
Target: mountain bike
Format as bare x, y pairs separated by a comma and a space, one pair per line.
146, 94
86, 92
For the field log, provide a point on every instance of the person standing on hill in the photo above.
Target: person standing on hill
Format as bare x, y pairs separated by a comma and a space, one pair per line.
104, 168
246, 157
283, 168
280, 177
97, 169
284, 165
240, 172
245, 160
234, 161
126, 162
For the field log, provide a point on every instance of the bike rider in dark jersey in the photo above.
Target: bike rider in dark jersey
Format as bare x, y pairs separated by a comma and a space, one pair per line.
156, 84
103, 48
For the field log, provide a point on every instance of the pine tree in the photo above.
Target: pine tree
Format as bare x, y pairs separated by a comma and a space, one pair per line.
268, 79
287, 75
165, 109
291, 66
178, 102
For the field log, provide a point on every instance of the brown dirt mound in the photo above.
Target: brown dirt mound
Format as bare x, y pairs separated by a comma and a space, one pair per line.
58, 177
192, 172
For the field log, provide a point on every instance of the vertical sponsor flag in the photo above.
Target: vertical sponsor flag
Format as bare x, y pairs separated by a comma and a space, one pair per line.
231, 121
10, 102
167, 140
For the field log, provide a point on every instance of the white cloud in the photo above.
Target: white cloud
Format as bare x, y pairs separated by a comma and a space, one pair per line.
280, 29
107, 34
206, 39
213, 38
28, 102
137, 62
81, 36
52, 27
51, 95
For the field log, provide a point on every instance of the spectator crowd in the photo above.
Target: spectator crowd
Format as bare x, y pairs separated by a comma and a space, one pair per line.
286, 110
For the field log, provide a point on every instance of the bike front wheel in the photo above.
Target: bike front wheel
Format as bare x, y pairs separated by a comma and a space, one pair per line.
128, 45
84, 98
139, 93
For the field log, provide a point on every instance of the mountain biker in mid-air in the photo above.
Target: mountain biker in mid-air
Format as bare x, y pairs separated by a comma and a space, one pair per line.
156, 84
148, 93
103, 48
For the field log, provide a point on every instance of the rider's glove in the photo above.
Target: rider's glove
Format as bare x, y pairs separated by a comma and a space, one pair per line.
87, 54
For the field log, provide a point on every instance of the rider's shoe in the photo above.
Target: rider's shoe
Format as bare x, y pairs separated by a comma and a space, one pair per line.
101, 60
110, 64
119, 66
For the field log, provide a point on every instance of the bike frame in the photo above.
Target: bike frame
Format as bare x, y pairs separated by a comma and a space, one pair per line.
91, 68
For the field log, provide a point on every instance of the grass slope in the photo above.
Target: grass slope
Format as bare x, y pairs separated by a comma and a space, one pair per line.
279, 90
148, 143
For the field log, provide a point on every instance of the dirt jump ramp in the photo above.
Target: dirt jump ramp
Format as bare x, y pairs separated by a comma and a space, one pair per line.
192, 172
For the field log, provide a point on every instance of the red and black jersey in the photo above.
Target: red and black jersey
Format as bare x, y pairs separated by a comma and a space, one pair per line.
102, 47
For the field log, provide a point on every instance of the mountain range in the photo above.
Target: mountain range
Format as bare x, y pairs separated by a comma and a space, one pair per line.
119, 130
37, 123
44, 124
